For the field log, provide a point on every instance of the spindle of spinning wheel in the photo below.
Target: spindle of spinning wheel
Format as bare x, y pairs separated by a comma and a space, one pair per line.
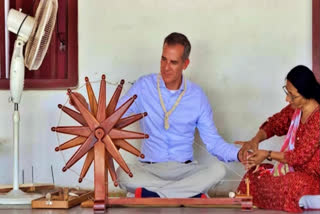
100, 136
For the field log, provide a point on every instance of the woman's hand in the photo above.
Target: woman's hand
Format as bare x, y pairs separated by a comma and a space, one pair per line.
248, 147
256, 158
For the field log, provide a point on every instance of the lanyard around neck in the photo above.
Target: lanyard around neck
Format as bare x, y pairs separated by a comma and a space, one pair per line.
167, 113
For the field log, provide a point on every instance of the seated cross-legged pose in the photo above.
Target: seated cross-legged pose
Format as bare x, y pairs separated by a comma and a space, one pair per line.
297, 170
175, 107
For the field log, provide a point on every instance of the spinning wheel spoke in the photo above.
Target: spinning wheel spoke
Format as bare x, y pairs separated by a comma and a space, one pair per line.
128, 147
83, 149
92, 99
113, 151
73, 130
122, 134
86, 165
114, 100
124, 122
100, 136
101, 113
75, 115
114, 117
110, 166
89, 118
71, 143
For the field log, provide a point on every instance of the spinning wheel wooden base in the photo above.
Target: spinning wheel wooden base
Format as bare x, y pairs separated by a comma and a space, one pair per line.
100, 136
244, 201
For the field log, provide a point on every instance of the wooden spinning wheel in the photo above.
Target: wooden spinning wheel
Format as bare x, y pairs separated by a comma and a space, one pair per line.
100, 137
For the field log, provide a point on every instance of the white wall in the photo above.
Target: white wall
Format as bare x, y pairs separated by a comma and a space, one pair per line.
241, 52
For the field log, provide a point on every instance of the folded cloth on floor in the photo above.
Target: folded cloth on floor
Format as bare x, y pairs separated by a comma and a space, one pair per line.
310, 202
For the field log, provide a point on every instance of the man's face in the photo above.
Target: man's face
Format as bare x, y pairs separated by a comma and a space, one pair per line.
172, 65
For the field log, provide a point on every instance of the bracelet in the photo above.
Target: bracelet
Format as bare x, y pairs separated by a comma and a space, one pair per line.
269, 156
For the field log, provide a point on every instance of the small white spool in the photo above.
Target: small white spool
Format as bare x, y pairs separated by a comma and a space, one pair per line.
232, 195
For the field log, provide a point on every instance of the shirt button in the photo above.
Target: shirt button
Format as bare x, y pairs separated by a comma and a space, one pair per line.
297, 138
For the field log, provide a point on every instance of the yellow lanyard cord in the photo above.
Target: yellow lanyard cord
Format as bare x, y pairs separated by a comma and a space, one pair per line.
167, 113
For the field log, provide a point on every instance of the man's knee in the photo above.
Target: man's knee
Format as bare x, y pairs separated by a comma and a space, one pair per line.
122, 177
129, 183
217, 171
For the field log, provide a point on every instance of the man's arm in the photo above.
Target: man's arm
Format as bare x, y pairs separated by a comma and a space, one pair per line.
215, 144
134, 90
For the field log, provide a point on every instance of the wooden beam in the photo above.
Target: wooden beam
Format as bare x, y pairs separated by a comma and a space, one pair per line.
316, 38
243, 202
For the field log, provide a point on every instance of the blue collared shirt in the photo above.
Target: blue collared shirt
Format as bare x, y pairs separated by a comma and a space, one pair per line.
193, 111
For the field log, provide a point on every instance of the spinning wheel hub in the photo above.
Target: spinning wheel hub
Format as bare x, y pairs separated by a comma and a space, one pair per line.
99, 133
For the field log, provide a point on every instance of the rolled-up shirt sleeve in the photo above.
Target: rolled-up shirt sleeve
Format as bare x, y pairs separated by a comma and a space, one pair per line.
215, 144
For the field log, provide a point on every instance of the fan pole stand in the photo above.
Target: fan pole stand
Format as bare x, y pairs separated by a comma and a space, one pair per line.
37, 29
16, 196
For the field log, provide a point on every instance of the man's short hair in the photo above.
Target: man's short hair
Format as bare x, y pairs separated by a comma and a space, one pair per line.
178, 38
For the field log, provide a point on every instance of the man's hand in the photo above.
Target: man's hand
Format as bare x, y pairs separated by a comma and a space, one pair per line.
247, 148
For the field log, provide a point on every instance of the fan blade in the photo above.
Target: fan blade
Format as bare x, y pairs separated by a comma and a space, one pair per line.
101, 113
71, 143
113, 151
114, 99
128, 147
86, 165
37, 46
73, 130
89, 118
92, 98
108, 123
129, 120
75, 115
83, 149
122, 134
110, 166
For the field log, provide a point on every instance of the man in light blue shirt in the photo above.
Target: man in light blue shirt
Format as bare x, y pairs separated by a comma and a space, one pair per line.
175, 107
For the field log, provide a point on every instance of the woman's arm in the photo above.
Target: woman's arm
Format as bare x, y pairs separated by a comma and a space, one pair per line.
278, 125
260, 155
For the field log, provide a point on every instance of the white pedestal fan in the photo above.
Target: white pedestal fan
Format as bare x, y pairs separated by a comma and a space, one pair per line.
36, 32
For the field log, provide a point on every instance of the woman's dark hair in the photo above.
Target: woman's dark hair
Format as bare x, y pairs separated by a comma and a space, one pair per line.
305, 82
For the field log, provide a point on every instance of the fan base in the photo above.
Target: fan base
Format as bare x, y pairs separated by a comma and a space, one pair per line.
18, 197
